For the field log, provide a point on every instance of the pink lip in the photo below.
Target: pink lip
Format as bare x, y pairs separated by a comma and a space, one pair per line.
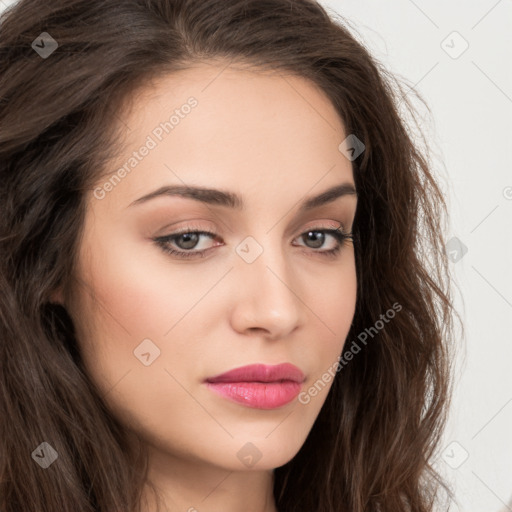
259, 386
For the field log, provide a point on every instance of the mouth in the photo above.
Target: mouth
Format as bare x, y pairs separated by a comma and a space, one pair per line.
259, 386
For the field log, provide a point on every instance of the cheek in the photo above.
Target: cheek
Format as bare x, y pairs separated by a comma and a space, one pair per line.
139, 291
333, 302
126, 309
127, 295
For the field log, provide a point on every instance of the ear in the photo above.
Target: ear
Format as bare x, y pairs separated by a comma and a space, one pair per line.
57, 296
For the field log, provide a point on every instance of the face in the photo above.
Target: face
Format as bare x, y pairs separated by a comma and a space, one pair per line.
257, 274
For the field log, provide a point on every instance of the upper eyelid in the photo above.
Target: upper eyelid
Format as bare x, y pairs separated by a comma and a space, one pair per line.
323, 224
326, 212
197, 229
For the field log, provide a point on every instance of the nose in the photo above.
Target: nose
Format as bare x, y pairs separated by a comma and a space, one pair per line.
267, 300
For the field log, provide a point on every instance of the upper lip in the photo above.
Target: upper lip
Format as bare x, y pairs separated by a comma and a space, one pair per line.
260, 373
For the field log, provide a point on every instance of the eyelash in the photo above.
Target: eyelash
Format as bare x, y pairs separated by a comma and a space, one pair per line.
163, 242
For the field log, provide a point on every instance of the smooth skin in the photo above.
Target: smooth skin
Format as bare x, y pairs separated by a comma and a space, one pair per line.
272, 139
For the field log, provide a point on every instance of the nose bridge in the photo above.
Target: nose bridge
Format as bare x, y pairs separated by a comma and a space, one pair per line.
262, 258
267, 298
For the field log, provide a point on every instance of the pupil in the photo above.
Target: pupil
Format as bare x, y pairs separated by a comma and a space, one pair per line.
317, 237
190, 240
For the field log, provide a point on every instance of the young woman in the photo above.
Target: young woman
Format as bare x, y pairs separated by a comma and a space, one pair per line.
224, 284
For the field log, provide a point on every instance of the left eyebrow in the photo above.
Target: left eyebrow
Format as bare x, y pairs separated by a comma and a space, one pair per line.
232, 200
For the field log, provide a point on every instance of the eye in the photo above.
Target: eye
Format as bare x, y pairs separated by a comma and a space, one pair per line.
311, 235
188, 239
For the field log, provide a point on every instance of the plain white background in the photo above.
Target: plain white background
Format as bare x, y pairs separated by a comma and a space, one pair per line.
458, 56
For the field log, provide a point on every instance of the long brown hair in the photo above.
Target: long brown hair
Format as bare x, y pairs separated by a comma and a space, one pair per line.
373, 444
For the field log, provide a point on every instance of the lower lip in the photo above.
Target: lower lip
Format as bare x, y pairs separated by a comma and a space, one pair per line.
259, 395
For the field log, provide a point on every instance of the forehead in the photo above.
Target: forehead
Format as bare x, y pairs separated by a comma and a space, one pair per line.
233, 128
